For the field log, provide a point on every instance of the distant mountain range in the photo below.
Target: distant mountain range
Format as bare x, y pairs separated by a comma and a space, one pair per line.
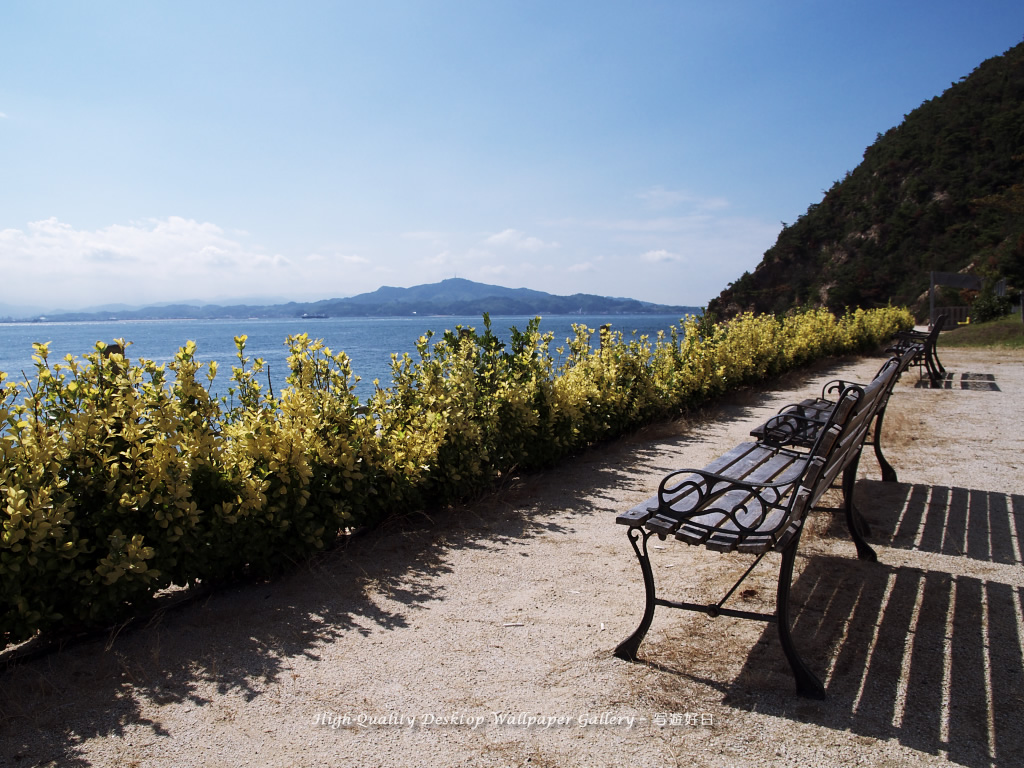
455, 296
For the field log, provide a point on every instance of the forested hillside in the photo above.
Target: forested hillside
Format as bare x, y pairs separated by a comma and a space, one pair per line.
942, 191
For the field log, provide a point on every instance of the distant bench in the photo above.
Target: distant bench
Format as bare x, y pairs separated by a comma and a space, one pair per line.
755, 498
924, 344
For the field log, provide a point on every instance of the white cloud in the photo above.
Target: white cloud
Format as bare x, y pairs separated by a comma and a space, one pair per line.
659, 198
659, 224
318, 260
439, 259
654, 257
660, 256
354, 258
517, 240
583, 266
671, 257
3, 116
155, 260
163, 246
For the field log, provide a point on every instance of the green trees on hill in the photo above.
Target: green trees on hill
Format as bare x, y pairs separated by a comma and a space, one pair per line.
943, 191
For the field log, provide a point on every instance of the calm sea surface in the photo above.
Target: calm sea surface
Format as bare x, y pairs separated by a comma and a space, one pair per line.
369, 342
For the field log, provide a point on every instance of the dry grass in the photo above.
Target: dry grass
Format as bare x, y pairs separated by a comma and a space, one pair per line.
900, 429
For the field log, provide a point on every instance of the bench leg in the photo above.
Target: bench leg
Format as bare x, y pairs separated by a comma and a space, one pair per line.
854, 521
807, 683
934, 354
888, 473
627, 648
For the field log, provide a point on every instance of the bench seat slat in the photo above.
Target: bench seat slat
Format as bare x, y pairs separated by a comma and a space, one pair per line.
763, 466
744, 460
639, 513
722, 535
692, 532
722, 541
813, 412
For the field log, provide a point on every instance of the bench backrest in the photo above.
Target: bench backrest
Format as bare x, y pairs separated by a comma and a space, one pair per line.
933, 334
841, 440
921, 342
904, 357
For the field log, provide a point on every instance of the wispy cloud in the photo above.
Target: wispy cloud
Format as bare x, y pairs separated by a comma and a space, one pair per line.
657, 225
154, 260
583, 266
3, 116
661, 256
353, 258
520, 241
441, 258
659, 198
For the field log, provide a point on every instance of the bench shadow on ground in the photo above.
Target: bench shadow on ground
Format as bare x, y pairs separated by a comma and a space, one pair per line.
980, 382
240, 640
913, 654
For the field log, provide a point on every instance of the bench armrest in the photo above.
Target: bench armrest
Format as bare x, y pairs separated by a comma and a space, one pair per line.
691, 494
791, 427
913, 335
902, 345
836, 387
710, 485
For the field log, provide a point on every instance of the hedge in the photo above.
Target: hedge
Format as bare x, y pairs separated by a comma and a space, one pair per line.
121, 478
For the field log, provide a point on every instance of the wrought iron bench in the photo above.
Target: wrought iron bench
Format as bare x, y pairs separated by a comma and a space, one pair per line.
814, 413
754, 499
927, 356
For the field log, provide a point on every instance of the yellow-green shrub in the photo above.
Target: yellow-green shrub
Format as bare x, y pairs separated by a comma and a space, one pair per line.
120, 478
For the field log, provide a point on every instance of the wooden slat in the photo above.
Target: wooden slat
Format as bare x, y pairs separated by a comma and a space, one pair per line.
732, 462
755, 545
761, 466
744, 460
694, 532
637, 515
811, 409
767, 522
722, 542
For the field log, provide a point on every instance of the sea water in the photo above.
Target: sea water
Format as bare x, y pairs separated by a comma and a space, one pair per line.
369, 342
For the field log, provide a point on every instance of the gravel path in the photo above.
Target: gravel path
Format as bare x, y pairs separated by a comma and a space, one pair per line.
484, 637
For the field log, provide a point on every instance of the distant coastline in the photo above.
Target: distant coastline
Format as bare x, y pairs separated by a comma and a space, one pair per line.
455, 297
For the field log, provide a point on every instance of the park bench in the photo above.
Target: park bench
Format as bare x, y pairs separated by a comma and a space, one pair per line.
813, 414
754, 499
927, 356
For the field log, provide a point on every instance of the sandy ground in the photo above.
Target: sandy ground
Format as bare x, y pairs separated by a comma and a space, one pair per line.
435, 643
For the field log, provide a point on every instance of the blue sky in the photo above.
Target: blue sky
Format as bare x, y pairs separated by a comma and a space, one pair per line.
162, 151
